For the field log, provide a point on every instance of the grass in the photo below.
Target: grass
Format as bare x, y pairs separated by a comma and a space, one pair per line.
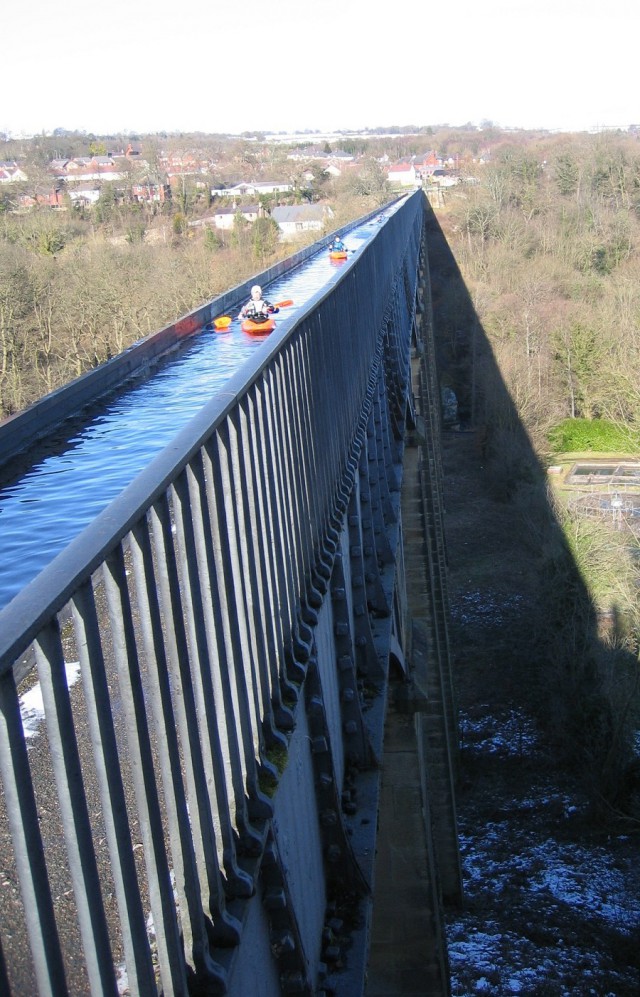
594, 436
278, 756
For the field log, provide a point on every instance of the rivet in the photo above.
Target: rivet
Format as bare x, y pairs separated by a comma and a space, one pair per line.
275, 900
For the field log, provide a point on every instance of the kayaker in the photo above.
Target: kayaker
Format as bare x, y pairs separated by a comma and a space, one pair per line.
257, 307
337, 246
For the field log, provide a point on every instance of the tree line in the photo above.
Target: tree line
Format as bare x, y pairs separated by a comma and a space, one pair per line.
550, 247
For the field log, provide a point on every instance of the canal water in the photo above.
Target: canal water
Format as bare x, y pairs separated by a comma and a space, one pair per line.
67, 485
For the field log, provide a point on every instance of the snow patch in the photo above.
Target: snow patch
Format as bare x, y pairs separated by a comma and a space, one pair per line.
32, 706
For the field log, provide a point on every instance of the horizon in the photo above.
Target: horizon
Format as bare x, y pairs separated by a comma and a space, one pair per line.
265, 135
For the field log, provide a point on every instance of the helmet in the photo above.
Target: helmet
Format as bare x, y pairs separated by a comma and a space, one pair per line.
256, 287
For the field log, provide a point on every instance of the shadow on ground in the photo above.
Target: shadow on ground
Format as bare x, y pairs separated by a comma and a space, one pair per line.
547, 795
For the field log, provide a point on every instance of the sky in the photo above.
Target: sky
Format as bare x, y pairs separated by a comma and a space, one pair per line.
337, 65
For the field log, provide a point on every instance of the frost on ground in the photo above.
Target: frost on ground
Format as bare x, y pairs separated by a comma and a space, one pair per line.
486, 608
548, 911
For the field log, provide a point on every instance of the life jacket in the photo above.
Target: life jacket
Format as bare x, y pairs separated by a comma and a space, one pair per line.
258, 314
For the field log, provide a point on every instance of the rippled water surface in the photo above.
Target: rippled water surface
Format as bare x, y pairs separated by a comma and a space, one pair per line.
65, 490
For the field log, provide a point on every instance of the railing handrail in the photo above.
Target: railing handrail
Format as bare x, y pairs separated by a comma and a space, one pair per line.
221, 607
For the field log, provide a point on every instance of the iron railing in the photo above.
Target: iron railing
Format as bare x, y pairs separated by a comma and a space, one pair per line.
134, 831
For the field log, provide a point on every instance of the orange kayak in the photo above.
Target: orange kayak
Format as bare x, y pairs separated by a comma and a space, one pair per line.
258, 328
338, 254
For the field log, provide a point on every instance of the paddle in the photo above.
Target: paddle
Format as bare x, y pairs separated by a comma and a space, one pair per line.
222, 323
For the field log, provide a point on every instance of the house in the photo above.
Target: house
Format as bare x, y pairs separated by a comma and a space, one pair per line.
84, 196
301, 218
44, 197
150, 192
411, 171
270, 187
59, 167
248, 189
426, 163
86, 168
402, 173
224, 217
444, 178
308, 152
184, 164
11, 173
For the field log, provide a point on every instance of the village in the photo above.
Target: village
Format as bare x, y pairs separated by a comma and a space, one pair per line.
297, 203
